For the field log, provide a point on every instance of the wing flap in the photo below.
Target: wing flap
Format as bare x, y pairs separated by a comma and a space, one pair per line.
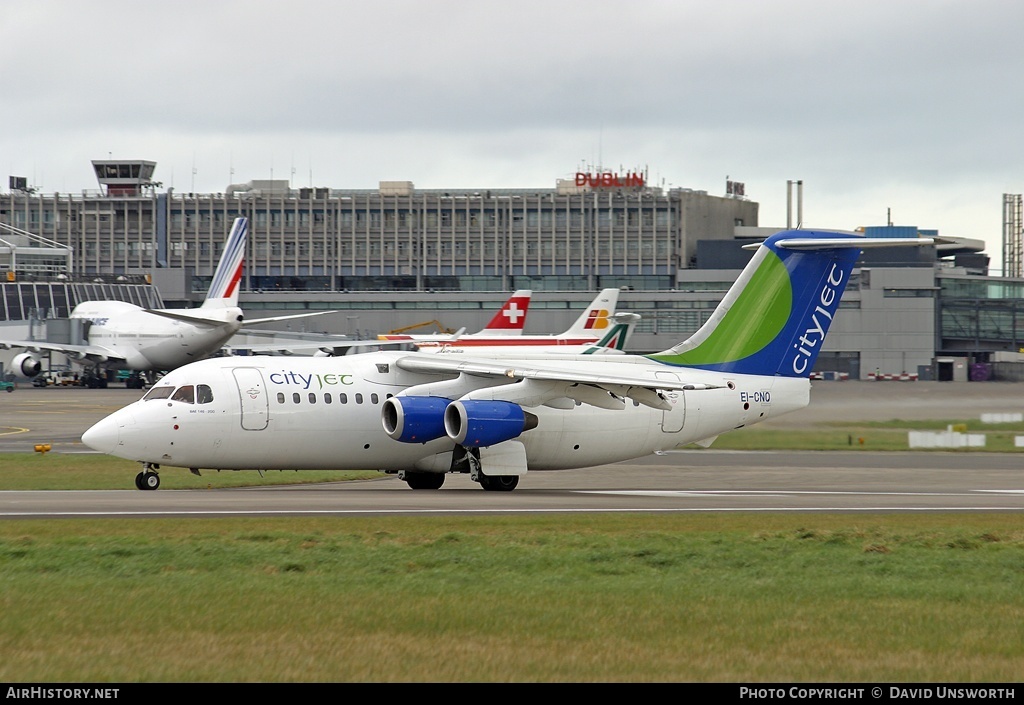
533, 385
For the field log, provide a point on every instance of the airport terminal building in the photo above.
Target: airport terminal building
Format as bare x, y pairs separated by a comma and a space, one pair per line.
397, 257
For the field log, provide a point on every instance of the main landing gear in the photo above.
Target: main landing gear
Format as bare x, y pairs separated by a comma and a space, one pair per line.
148, 478
467, 462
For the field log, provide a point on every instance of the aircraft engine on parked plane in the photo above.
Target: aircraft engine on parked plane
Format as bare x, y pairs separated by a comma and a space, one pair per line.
26, 365
478, 424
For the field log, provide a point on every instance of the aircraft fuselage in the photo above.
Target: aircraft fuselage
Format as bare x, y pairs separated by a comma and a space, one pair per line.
325, 413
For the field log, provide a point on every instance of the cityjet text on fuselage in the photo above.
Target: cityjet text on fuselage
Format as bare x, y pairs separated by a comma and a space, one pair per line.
815, 328
305, 381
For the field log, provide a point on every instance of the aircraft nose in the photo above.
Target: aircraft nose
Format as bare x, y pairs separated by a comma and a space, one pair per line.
103, 435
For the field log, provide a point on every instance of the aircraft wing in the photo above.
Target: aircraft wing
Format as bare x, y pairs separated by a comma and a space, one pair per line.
194, 320
213, 323
91, 353
546, 383
250, 321
308, 345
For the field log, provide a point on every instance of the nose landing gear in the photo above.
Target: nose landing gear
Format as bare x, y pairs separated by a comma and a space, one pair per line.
148, 479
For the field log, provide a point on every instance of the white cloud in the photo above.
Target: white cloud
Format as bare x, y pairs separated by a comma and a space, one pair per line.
911, 106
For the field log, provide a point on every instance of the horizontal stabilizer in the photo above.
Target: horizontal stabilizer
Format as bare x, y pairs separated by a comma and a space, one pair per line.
860, 243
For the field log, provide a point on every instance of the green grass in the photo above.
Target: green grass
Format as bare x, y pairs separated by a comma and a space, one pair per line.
84, 471
581, 598
642, 598
867, 435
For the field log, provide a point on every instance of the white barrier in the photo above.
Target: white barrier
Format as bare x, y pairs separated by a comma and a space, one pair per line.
1002, 418
945, 439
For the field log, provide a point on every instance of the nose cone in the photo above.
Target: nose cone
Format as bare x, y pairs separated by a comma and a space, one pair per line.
103, 435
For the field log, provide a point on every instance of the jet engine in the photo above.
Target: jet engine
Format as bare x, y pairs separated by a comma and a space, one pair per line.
414, 419
26, 365
477, 423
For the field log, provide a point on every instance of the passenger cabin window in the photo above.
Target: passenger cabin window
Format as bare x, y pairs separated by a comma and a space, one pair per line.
327, 397
280, 397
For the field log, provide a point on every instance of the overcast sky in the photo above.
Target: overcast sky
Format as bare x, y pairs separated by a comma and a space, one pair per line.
905, 107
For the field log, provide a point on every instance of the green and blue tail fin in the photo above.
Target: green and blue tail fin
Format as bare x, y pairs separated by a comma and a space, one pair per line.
774, 319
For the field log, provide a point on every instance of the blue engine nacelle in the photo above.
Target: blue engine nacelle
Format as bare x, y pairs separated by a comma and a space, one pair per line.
478, 424
414, 419
26, 365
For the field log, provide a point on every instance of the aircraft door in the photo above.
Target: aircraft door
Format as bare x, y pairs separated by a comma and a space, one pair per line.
672, 421
252, 393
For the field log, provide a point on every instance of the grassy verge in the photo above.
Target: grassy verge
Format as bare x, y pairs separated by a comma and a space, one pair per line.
82, 471
933, 598
887, 435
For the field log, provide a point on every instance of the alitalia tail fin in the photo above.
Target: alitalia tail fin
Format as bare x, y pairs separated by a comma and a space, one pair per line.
614, 341
774, 319
227, 278
596, 317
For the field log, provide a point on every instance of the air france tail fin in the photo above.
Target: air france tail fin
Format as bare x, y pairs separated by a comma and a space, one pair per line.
511, 317
774, 319
223, 291
595, 317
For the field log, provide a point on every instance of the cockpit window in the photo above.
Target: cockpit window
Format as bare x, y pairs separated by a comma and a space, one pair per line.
158, 393
186, 394
204, 395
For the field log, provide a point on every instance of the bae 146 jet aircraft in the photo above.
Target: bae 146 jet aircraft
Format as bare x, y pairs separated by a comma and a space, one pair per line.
423, 416
122, 336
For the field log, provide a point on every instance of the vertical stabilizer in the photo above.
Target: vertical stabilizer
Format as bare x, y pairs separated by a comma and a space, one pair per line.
774, 319
223, 291
595, 319
615, 339
511, 317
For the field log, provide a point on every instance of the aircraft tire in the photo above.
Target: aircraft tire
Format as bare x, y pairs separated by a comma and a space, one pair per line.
424, 480
499, 483
147, 481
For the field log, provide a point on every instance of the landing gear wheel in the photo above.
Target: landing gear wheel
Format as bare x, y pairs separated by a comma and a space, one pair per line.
147, 481
424, 480
499, 483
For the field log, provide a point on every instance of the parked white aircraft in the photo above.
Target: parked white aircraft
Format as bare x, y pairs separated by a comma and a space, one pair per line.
498, 336
612, 342
509, 321
123, 336
422, 416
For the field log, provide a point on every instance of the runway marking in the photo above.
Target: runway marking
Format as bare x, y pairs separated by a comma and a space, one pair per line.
14, 430
677, 510
782, 493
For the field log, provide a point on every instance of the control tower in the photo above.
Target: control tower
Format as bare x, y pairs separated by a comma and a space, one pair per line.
124, 177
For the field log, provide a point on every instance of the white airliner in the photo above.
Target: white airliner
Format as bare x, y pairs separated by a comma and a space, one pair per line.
423, 416
500, 337
123, 336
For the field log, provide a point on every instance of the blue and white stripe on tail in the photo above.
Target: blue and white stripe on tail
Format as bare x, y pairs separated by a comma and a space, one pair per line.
227, 278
